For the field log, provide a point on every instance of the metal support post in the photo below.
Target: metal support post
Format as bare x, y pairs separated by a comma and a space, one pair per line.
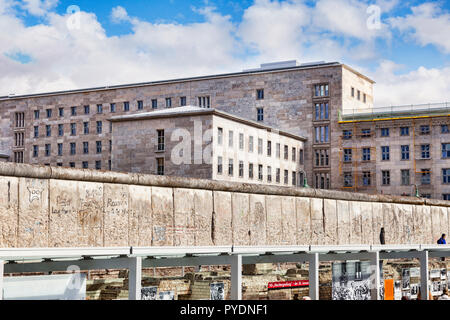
424, 289
375, 285
135, 278
1, 279
314, 276
236, 277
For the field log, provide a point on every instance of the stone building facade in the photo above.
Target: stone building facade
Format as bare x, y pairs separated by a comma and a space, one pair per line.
206, 143
72, 128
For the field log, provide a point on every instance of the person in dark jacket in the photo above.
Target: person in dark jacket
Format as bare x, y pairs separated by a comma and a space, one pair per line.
382, 237
442, 239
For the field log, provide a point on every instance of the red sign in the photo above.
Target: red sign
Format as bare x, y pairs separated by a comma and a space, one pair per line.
288, 284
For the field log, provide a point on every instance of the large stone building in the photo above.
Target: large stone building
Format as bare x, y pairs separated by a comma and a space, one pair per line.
206, 143
72, 128
324, 102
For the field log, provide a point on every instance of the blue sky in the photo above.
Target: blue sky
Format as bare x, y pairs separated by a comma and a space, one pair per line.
408, 53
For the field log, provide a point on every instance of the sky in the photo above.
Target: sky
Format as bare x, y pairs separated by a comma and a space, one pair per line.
52, 45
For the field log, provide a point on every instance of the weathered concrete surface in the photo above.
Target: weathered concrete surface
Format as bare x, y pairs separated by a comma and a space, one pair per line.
115, 199
184, 217
9, 215
343, 221
366, 222
355, 222
222, 232
140, 216
408, 224
274, 217
288, 221
257, 220
203, 205
377, 221
33, 213
330, 221
90, 214
240, 224
163, 220
303, 207
317, 229
436, 223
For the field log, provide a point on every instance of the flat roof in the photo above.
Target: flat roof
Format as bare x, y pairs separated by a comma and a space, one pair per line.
197, 111
198, 78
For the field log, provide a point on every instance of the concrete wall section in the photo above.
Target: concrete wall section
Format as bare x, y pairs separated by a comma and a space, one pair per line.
9, 211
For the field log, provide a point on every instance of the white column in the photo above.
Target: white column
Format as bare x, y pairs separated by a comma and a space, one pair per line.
135, 278
314, 276
1, 279
375, 264
236, 277
424, 290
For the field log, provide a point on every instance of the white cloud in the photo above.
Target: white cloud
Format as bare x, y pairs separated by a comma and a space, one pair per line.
119, 14
419, 86
39, 7
427, 24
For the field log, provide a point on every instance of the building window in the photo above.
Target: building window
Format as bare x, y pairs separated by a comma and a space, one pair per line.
294, 178
73, 111
183, 101
250, 170
321, 90
72, 164
109, 165
85, 165
36, 115
73, 148
99, 146
35, 151
348, 179
269, 148
161, 140
446, 150
98, 165
47, 150
241, 141
353, 92
20, 119
322, 157
444, 128
321, 111
269, 174
19, 139
347, 134
260, 114
294, 154
99, 127
168, 102
60, 130
18, 157
260, 94
260, 172
49, 113
112, 107
260, 146
425, 151
385, 178
126, 106
322, 134
278, 175
365, 133
322, 180
230, 138
278, 151
366, 178
404, 131
154, 104
86, 147
366, 154
219, 136
348, 155
405, 178
36, 131
426, 176
364, 98
87, 110
241, 169
286, 152
286, 176
426, 196
140, 104
446, 176
385, 153
446, 196
219, 165
359, 95
110, 145
60, 149
48, 131
160, 166
204, 102
405, 152
230, 167
385, 132
425, 129
86, 127
99, 108
301, 156
250, 144
73, 129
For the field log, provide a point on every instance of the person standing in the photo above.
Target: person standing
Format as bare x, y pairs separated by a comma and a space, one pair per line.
442, 239
444, 295
382, 237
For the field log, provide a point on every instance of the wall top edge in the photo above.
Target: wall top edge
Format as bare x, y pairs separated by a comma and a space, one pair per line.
86, 175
